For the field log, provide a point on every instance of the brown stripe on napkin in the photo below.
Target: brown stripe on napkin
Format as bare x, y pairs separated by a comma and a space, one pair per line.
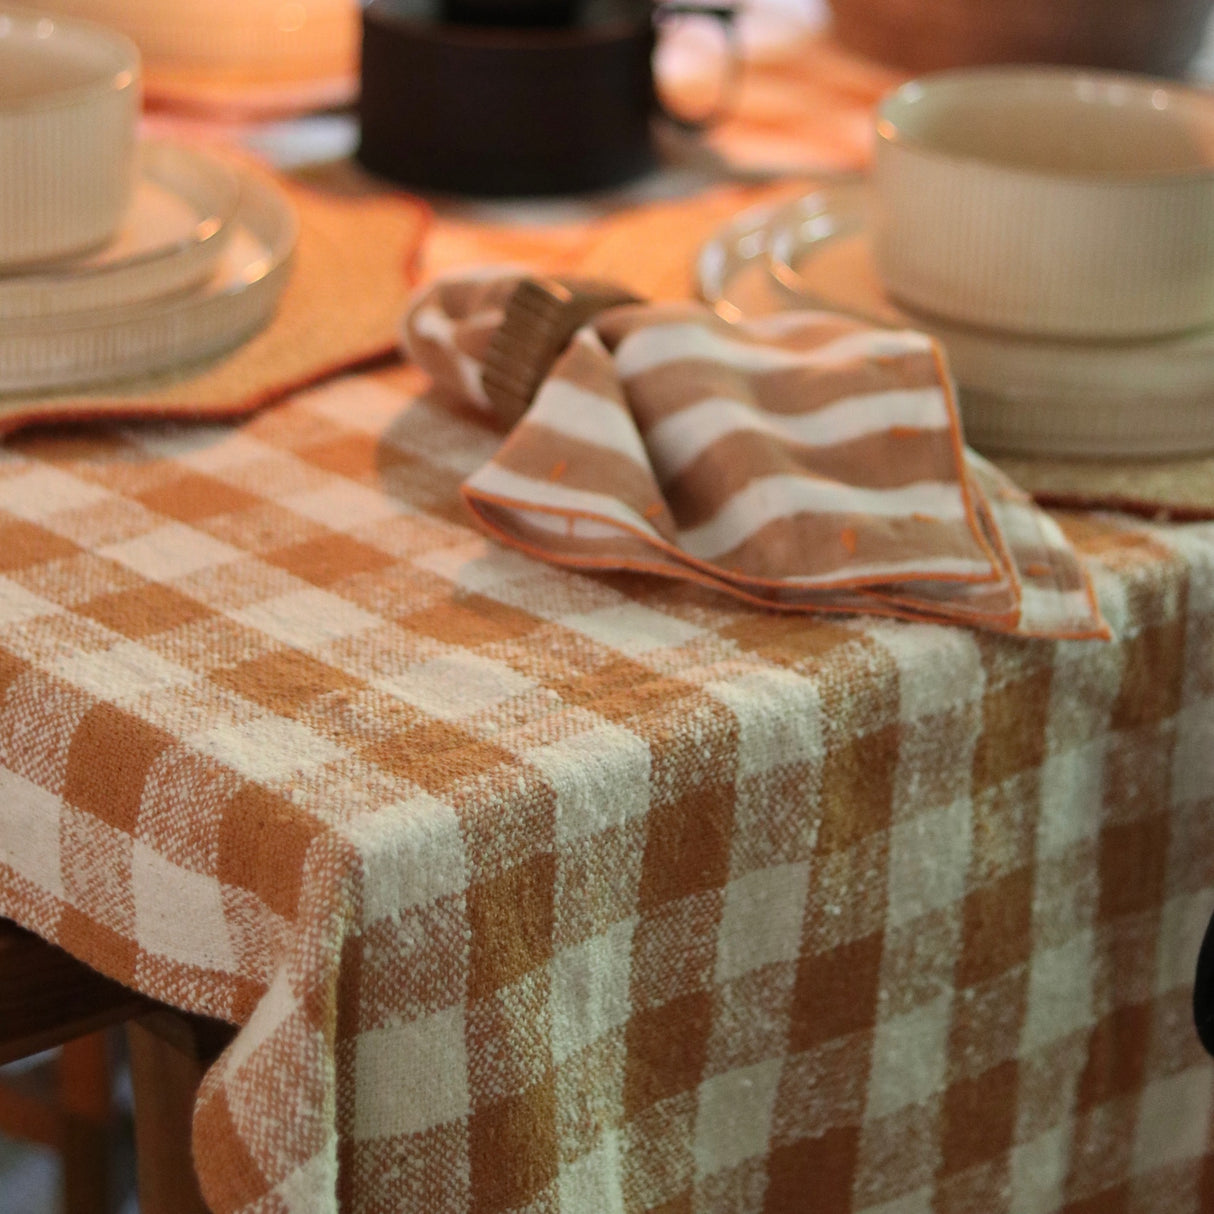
672, 387
736, 459
819, 545
547, 455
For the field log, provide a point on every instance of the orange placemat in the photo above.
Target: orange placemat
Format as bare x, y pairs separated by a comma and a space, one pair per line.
1178, 490
355, 264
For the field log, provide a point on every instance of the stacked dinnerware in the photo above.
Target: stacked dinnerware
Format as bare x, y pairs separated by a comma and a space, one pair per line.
1053, 228
118, 258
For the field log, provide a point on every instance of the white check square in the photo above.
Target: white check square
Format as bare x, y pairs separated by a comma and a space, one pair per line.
267, 747
733, 1120
478, 566
411, 1077
1072, 795
179, 913
345, 505
121, 672
17, 605
601, 778
761, 922
632, 629
589, 991
1182, 927
307, 619
928, 862
1173, 1120
170, 552
456, 685
938, 669
1060, 992
593, 1182
29, 832
779, 717
918, 1202
412, 854
909, 1057
1038, 1172
44, 491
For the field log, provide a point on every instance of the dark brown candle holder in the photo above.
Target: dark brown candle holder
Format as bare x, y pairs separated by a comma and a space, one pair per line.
503, 109
511, 13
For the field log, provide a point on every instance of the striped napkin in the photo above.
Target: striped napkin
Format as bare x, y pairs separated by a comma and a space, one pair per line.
805, 461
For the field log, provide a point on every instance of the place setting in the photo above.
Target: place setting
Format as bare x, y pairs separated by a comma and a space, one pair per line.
154, 276
117, 256
1052, 228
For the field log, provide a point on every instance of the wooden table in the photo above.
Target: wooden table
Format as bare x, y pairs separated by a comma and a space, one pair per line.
49, 999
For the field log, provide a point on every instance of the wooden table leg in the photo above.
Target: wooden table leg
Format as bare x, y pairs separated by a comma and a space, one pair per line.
165, 1076
87, 1124
74, 1117
47, 999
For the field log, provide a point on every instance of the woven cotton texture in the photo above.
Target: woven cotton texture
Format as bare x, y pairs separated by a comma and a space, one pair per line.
806, 461
536, 890
585, 893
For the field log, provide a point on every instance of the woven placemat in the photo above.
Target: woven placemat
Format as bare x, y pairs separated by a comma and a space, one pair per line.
1173, 489
355, 264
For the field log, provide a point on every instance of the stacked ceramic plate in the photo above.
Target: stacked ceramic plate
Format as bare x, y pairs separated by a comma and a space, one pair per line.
117, 259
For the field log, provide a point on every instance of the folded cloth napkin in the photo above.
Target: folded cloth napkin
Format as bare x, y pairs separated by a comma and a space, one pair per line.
806, 461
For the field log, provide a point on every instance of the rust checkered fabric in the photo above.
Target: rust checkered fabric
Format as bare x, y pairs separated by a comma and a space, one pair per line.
535, 890
572, 893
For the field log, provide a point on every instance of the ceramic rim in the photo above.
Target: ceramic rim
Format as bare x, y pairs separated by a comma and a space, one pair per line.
207, 193
146, 339
1050, 398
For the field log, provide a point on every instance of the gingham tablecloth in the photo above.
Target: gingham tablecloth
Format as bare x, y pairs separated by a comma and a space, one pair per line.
548, 892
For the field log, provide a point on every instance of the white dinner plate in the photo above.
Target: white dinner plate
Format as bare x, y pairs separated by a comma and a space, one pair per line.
1021, 395
178, 225
137, 340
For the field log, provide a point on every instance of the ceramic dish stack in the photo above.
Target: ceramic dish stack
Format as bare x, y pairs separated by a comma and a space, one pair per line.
1054, 229
117, 259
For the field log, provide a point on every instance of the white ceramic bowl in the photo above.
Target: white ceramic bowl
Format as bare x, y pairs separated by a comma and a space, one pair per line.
69, 104
1048, 202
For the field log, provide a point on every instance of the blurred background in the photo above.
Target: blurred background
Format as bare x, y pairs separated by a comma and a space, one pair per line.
32, 1174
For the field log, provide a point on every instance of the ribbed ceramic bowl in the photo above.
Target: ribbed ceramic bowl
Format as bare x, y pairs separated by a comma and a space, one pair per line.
1048, 202
69, 103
